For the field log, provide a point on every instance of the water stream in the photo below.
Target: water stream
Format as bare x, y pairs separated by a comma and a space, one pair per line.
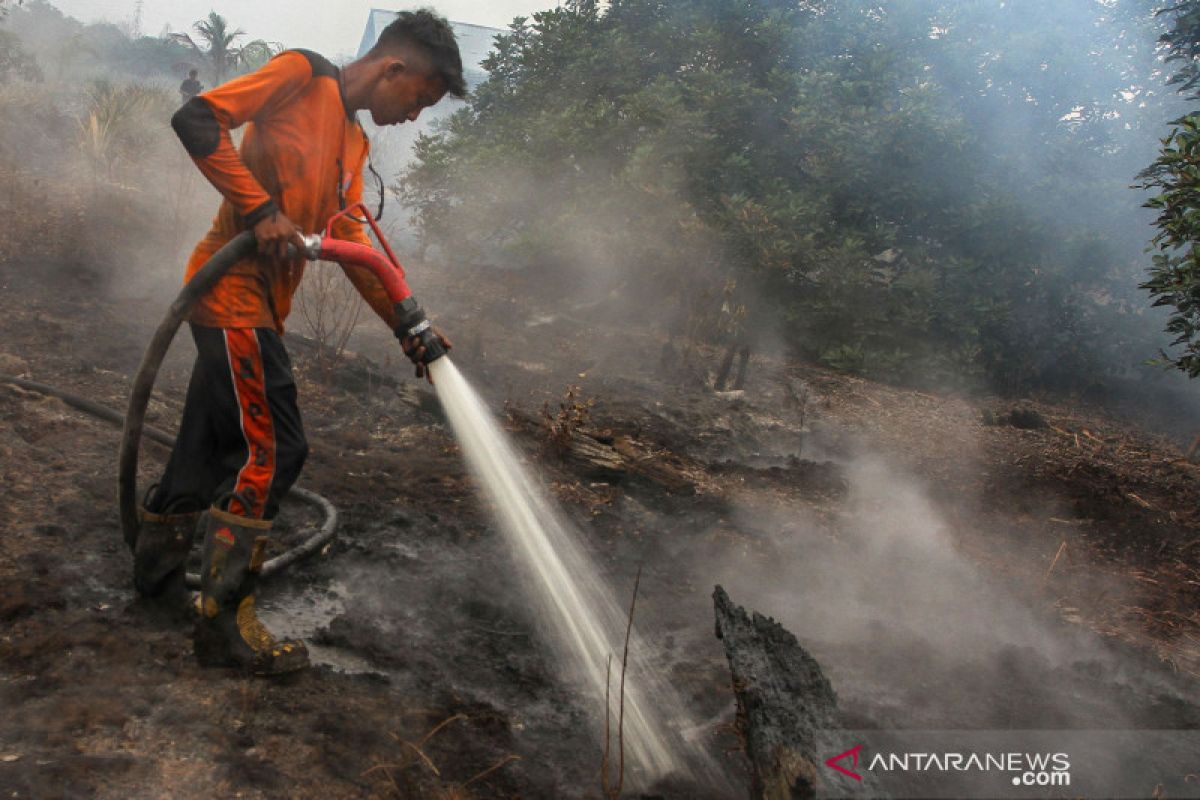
586, 624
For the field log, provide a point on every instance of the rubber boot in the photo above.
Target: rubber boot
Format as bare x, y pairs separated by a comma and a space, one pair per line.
228, 632
160, 555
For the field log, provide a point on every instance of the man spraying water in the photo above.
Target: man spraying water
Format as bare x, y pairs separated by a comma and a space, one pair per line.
241, 443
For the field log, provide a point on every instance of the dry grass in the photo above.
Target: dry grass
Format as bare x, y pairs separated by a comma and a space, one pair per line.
573, 413
122, 124
331, 308
612, 791
413, 754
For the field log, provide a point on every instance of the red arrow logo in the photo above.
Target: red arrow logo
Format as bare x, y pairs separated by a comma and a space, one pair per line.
853, 753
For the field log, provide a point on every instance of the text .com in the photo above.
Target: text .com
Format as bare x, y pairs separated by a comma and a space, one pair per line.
1042, 779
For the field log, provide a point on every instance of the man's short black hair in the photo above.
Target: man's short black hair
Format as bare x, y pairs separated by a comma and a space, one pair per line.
426, 29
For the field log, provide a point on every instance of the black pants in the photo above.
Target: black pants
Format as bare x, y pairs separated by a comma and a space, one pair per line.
241, 442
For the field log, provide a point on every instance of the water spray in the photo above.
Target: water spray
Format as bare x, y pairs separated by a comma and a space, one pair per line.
587, 625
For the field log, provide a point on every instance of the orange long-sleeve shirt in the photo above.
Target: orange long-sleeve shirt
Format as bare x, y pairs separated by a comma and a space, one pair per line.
299, 145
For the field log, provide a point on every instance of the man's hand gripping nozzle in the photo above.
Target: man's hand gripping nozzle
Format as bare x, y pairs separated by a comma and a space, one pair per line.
417, 336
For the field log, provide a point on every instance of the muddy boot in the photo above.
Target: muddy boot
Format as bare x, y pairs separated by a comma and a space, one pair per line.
228, 633
160, 555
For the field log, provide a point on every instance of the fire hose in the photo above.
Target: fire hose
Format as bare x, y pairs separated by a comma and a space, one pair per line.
385, 266
312, 544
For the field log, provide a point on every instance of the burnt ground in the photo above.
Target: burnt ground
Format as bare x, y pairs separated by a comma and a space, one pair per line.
945, 572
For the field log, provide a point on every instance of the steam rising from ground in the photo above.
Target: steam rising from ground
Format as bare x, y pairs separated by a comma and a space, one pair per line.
895, 565
912, 633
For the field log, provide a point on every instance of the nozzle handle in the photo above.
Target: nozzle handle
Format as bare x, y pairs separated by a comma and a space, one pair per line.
413, 322
432, 343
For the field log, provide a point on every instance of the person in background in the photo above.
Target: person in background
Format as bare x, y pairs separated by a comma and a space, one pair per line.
190, 87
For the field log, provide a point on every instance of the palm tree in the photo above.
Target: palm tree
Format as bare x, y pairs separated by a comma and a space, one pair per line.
220, 49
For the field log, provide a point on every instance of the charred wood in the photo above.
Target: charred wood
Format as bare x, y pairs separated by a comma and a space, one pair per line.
787, 709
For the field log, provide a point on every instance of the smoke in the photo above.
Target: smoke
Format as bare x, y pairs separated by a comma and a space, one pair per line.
1065, 104
890, 562
98, 191
912, 632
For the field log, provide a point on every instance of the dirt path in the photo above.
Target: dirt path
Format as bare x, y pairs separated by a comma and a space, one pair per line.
946, 573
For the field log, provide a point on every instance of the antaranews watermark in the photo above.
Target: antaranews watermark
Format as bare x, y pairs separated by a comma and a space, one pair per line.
1017, 764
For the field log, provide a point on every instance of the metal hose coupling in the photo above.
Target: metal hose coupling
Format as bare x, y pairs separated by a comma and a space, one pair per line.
312, 246
413, 322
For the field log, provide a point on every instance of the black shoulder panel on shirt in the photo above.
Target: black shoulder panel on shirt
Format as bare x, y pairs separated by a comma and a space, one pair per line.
196, 126
322, 67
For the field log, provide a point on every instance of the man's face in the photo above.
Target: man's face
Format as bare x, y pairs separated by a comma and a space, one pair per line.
406, 87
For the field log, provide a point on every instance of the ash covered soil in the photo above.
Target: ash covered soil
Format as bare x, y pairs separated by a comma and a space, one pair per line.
946, 573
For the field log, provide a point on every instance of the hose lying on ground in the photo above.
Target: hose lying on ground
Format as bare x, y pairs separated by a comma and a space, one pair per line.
308, 547
139, 398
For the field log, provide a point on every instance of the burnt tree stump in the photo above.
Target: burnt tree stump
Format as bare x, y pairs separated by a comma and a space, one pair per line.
787, 709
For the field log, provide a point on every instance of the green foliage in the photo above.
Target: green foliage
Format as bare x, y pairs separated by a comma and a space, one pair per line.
218, 47
1175, 274
1182, 43
68, 51
135, 57
905, 189
1174, 280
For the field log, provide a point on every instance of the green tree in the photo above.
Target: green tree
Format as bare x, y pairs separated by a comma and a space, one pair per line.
219, 48
905, 188
1175, 272
1182, 43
